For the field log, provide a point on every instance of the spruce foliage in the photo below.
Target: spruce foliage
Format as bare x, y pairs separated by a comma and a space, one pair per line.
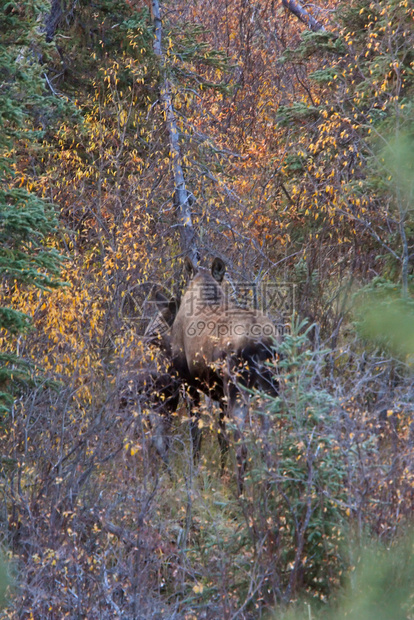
26, 220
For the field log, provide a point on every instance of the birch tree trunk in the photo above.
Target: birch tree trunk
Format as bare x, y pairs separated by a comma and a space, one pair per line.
302, 14
181, 195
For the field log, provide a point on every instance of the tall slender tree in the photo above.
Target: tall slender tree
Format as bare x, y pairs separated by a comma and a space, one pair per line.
182, 196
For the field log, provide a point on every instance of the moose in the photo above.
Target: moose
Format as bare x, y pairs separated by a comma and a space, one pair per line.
220, 348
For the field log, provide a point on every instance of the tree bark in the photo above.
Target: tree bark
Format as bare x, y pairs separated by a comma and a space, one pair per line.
302, 14
181, 196
52, 19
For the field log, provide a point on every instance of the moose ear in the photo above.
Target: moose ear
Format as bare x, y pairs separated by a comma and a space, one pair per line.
189, 267
167, 306
160, 299
173, 306
218, 269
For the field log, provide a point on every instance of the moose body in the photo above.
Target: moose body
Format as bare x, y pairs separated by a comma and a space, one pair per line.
219, 348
